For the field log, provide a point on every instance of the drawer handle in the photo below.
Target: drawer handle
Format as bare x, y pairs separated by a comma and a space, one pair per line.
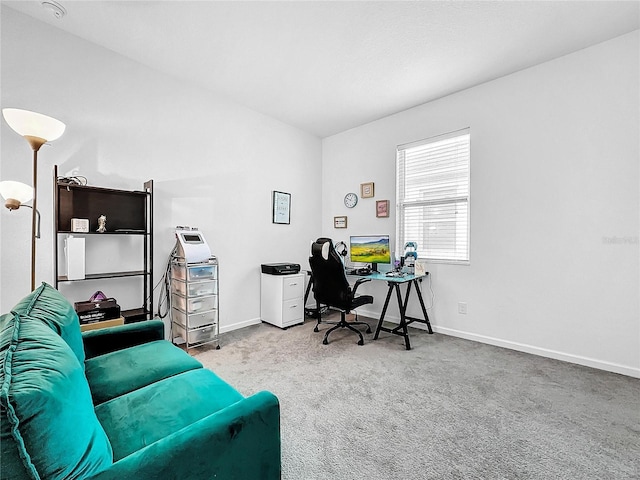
293, 306
292, 284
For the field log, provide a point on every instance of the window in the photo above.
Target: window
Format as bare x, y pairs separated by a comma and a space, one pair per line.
433, 197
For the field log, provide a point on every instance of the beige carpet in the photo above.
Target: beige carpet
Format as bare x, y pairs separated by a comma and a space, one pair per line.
447, 409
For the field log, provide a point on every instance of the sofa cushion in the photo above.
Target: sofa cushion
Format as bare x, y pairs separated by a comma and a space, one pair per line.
142, 417
48, 305
124, 371
49, 427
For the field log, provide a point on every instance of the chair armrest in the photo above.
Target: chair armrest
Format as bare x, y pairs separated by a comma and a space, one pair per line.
241, 441
105, 340
358, 283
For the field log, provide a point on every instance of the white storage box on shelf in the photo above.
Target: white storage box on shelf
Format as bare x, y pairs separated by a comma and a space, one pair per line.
194, 302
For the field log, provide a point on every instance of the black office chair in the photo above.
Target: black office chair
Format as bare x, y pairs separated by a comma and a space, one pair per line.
331, 288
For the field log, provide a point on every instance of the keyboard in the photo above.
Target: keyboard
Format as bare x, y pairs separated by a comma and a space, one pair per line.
359, 271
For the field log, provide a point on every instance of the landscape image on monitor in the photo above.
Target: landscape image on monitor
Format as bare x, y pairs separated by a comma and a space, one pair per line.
373, 249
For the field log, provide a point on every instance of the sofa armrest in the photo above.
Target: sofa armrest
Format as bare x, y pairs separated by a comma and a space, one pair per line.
105, 340
241, 441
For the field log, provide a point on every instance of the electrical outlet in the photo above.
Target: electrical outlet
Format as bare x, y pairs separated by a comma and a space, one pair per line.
462, 308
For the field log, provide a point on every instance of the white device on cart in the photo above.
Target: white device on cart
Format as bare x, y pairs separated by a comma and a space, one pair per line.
191, 245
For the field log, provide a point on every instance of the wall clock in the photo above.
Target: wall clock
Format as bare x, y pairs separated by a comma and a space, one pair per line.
350, 200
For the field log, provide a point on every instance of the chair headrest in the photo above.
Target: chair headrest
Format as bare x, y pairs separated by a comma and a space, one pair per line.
325, 250
324, 244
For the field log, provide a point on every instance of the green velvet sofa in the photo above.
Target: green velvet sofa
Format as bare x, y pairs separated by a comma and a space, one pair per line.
121, 403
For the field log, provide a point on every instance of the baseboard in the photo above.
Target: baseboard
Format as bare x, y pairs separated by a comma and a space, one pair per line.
521, 347
543, 352
236, 326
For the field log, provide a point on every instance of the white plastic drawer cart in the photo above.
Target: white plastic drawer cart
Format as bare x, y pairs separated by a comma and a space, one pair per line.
194, 302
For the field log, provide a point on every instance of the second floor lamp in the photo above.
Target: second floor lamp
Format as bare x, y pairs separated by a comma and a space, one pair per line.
16, 195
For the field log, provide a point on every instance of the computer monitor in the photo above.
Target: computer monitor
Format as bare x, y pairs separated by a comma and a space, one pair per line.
371, 249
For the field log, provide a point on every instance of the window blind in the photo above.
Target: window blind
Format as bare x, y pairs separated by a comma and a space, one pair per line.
433, 196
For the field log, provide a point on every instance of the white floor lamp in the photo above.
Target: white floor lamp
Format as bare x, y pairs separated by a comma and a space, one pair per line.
37, 129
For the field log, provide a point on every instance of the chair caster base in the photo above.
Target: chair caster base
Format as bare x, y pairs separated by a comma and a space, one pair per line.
344, 324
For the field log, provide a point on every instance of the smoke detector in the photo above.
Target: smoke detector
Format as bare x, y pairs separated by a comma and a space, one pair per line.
54, 8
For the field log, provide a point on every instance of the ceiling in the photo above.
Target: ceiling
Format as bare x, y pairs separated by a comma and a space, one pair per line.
328, 66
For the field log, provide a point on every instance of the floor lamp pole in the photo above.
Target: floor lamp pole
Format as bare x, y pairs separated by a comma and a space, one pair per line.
33, 219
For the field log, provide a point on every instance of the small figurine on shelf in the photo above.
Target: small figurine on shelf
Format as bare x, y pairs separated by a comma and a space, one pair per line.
102, 224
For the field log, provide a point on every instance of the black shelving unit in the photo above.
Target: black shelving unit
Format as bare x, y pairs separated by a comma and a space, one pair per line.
129, 212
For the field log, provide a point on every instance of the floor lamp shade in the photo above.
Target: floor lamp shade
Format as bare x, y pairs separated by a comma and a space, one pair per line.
35, 127
15, 193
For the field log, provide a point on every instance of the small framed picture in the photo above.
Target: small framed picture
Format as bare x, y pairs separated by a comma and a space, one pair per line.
366, 190
420, 267
340, 222
281, 207
382, 208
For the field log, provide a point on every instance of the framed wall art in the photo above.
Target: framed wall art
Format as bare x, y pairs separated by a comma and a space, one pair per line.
340, 222
382, 208
281, 207
366, 190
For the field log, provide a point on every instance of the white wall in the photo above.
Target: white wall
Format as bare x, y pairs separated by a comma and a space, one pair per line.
554, 205
214, 162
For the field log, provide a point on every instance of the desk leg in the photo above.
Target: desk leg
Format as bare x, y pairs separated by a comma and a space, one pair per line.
402, 329
403, 310
384, 311
308, 290
424, 310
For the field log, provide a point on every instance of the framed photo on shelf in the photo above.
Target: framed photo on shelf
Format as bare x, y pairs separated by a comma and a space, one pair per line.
366, 190
340, 222
382, 208
281, 207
